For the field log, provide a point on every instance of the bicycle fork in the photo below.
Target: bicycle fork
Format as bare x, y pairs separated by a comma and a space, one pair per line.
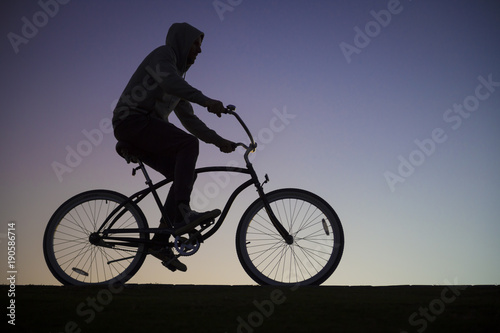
274, 220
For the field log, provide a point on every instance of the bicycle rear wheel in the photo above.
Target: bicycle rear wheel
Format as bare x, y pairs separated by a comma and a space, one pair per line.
70, 255
317, 247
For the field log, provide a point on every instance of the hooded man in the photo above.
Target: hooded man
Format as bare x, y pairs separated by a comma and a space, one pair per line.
158, 88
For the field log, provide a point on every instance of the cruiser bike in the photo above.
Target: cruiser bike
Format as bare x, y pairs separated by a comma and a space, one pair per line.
285, 237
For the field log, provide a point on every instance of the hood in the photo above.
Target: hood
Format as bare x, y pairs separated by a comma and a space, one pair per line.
180, 37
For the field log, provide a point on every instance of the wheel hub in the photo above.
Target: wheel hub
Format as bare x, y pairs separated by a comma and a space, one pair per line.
94, 238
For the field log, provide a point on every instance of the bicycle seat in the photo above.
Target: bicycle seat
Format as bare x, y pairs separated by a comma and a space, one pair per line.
129, 152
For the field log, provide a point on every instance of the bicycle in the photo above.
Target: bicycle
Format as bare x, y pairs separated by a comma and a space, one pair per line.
285, 237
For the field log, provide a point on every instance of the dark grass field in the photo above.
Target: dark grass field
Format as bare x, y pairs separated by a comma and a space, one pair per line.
245, 309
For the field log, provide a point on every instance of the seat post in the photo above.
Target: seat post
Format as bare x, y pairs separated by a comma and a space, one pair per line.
146, 175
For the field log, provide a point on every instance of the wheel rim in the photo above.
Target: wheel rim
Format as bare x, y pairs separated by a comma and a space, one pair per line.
314, 253
75, 260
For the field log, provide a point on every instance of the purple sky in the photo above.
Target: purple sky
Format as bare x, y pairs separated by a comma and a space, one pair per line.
397, 126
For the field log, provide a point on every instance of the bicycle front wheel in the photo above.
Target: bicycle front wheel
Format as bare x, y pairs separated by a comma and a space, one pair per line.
74, 260
318, 240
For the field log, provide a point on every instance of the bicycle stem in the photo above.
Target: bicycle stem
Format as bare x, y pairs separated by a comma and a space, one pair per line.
253, 145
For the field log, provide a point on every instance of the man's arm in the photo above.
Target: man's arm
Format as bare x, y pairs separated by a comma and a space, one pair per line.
184, 111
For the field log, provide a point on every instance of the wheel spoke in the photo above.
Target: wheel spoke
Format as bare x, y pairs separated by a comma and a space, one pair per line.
68, 251
314, 253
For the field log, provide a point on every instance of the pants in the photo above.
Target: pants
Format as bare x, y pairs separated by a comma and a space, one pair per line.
169, 150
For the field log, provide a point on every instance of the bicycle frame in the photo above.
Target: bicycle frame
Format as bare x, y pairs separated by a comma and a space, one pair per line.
152, 189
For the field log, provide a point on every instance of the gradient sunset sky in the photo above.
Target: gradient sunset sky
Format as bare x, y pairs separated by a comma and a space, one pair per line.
389, 110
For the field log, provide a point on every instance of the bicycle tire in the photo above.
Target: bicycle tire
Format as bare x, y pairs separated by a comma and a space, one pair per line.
317, 247
68, 252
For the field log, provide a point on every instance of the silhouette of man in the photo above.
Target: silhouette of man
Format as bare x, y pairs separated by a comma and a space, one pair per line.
156, 89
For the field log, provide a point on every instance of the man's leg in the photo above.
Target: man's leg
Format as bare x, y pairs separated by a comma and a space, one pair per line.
184, 176
180, 167
171, 151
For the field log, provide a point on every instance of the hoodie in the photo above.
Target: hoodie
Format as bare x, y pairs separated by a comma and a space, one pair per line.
158, 87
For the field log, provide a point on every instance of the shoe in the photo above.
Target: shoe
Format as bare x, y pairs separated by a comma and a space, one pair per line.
192, 219
169, 260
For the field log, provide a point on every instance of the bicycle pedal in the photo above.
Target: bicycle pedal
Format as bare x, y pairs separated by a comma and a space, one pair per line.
167, 265
174, 266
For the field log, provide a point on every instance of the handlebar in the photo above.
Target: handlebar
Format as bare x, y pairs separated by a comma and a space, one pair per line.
253, 145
